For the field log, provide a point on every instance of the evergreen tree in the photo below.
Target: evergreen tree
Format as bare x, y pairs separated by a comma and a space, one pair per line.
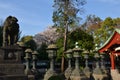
65, 16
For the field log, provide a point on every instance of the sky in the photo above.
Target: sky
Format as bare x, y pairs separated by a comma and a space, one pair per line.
34, 16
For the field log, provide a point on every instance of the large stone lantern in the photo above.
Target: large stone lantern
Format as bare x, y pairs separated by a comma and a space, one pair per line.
97, 57
27, 57
68, 71
34, 58
98, 73
77, 74
52, 52
86, 70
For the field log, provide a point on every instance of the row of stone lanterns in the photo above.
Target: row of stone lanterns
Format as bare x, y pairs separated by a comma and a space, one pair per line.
99, 73
74, 74
28, 53
70, 73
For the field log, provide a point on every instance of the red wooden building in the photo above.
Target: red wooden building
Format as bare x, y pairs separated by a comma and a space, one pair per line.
112, 47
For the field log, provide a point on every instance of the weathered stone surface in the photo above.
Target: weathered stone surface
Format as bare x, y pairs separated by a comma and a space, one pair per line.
10, 54
77, 74
13, 77
68, 72
99, 74
100, 77
87, 72
49, 74
10, 31
115, 74
12, 69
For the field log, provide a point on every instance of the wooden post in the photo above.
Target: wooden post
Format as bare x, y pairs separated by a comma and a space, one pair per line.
112, 61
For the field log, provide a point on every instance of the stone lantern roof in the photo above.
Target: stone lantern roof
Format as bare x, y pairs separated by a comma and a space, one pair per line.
28, 51
52, 47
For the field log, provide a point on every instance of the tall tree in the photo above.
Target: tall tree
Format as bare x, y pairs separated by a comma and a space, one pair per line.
104, 32
91, 23
65, 16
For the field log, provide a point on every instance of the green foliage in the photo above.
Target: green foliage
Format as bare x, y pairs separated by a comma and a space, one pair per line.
66, 11
116, 21
85, 41
29, 42
59, 44
104, 32
42, 54
65, 16
91, 23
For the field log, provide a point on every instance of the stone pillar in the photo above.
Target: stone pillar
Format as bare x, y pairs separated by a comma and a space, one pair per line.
52, 51
68, 71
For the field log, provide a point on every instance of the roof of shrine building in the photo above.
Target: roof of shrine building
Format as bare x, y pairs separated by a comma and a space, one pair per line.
113, 42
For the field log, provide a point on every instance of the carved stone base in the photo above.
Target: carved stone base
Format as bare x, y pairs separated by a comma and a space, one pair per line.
77, 74
100, 77
12, 69
87, 72
49, 74
13, 77
68, 72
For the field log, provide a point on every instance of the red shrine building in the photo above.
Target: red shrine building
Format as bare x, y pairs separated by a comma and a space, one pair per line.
112, 48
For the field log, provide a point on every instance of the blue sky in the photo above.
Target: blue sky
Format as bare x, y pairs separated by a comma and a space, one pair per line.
36, 15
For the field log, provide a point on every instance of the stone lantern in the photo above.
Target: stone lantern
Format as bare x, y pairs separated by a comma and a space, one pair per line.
77, 74
27, 57
23, 46
68, 71
97, 57
102, 62
98, 73
86, 70
52, 52
34, 58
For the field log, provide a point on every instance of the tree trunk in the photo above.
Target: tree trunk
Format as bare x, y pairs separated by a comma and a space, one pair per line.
65, 46
65, 36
